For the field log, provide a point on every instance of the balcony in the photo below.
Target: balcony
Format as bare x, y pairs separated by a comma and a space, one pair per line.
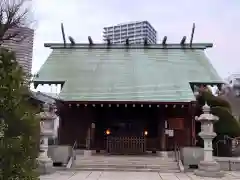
235, 83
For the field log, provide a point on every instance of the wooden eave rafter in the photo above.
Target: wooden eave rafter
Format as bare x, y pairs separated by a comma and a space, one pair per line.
126, 102
130, 104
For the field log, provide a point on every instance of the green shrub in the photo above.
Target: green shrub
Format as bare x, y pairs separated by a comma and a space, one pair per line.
19, 126
227, 124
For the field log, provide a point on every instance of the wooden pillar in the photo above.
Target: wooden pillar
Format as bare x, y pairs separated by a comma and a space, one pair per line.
92, 139
193, 124
90, 118
61, 129
188, 126
59, 124
88, 139
89, 133
161, 131
163, 135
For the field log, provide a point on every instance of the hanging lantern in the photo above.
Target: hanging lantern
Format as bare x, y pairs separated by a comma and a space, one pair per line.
145, 133
108, 132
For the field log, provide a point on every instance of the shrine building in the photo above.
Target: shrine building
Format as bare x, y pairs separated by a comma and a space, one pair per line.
127, 98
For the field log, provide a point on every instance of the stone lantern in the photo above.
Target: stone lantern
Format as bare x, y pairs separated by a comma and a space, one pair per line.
46, 131
208, 167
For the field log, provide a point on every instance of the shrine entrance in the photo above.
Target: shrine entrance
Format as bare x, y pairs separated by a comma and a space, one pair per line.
125, 130
126, 137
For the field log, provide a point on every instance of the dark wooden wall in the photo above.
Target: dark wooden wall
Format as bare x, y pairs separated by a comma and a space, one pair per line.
182, 127
75, 122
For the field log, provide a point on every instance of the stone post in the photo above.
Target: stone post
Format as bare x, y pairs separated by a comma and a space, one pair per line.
208, 167
45, 163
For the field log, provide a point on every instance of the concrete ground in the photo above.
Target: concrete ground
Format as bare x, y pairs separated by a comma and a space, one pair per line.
88, 175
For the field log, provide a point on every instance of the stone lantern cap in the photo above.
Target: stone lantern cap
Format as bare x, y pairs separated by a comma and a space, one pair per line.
206, 116
47, 118
46, 114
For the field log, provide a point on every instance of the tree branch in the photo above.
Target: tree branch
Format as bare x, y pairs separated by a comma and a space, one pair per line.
12, 17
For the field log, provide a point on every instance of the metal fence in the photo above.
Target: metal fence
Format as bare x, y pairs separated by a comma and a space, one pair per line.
226, 146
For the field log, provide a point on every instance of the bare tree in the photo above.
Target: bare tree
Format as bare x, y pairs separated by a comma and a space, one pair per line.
13, 15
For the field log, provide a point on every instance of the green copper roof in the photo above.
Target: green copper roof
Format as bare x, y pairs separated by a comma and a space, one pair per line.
135, 74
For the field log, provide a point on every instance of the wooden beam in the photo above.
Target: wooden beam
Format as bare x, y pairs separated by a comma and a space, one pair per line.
126, 102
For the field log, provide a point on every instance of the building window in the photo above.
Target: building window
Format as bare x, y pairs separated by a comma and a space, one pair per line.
130, 29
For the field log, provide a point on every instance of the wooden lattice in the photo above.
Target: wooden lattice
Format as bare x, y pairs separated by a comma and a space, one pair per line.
126, 145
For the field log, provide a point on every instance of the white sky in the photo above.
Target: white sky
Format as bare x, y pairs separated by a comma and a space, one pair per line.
217, 22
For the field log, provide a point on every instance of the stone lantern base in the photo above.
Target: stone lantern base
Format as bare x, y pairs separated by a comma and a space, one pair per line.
45, 166
209, 169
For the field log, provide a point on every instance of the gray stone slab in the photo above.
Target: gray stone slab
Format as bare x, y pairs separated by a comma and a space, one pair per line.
59, 175
87, 175
95, 175
182, 176
80, 175
45, 166
233, 175
168, 176
129, 176
60, 153
228, 163
191, 155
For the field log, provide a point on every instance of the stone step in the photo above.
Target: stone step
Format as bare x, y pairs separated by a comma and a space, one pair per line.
124, 159
125, 163
164, 167
163, 170
117, 169
118, 166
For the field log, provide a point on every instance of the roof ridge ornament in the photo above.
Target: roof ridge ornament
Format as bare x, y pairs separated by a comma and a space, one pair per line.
145, 41
127, 42
164, 41
192, 35
108, 41
183, 40
90, 40
73, 43
63, 35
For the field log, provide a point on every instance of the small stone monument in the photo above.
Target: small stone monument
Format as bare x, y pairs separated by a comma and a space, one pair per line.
208, 167
45, 163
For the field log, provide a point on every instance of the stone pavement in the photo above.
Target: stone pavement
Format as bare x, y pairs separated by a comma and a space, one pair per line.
88, 175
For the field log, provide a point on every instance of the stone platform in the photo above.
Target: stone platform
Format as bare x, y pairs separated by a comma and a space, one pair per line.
99, 175
209, 169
